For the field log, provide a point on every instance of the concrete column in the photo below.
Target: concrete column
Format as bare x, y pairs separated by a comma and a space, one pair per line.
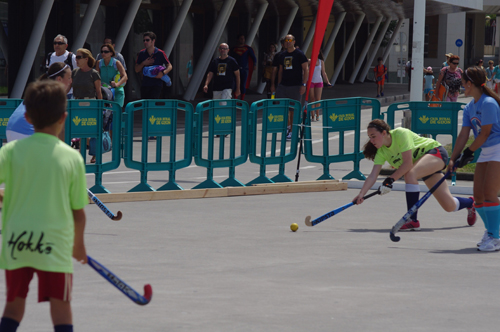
309, 36
365, 49
373, 53
4, 43
338, 23
86, 24
395, 33
209, 48
128, 20
256, 23
31, 50
176, 28
417, 51
288, 23
347, 48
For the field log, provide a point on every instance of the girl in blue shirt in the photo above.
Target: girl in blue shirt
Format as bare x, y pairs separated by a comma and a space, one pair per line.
482, 115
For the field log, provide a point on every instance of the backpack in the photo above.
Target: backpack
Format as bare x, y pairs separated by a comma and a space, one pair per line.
455, 82
68, 61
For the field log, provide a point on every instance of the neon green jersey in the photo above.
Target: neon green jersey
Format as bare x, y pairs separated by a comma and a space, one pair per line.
44, 181
403, 140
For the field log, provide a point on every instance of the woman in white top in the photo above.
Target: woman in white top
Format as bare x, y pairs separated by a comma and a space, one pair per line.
316, 88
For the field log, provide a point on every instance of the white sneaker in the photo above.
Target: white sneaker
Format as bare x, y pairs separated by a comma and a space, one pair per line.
485, 238
289, 136
491, 245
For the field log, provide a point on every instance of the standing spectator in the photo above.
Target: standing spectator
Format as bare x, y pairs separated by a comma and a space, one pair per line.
447, 62
451, 77
489, 75
190, 69
496, 77
276, 65
61, 54
268, 68
293, 74
18, 127
45, 196
118, 56
408, 72
112, 73
245, 57
480, 64
151, 56
316, 88
380, 72
428, 83
482, 115
226, 74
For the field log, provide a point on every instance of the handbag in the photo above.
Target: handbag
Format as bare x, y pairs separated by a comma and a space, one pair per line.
106, 144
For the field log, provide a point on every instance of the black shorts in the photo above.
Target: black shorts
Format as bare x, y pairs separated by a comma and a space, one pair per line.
441, 153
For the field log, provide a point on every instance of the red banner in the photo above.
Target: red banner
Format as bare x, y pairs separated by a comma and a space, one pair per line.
322, 17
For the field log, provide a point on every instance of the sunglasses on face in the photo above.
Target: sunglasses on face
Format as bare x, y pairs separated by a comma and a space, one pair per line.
289, 40
78, 57
105, 51
223, 48
59, 43
146, 40
455, 63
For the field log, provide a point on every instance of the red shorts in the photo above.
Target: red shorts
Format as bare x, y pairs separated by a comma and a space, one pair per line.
50, 284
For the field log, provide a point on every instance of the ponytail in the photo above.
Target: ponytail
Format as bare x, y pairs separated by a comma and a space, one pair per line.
477, 76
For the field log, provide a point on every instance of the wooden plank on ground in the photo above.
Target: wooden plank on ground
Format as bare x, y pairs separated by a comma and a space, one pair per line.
301, 182
274, 188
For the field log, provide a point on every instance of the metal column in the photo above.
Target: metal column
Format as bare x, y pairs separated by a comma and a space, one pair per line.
347, 48
310, 34
338, 23
391, 41
209, 48
374, 51
256, 23
86, 24
417, 55
31, 50
128, 20
365, 49
176, 28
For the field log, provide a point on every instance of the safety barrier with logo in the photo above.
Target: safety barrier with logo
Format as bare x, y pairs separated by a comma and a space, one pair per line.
436, 118
226, 123
160, 120
85, 120
7, 107
342, 117
274, 116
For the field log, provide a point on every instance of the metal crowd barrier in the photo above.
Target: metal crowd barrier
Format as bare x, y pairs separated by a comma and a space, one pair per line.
7, 107
340, 116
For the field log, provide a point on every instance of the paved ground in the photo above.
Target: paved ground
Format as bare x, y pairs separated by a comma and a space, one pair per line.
232, 264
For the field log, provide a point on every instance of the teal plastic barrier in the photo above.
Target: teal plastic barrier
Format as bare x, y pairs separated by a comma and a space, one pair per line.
160, 118
7, 107
340, 116
85, 120
222, 117
273, 113
432, 118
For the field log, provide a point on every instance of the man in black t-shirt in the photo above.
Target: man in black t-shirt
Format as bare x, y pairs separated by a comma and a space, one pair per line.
226, 73
293, 73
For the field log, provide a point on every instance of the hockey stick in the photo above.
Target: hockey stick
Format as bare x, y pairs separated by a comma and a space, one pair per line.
414, 209
336, 211
122, 286
103, 207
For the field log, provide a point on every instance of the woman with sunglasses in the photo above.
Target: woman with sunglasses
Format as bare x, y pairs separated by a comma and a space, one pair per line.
451, 78
112, 73
414, 157
86, 80
482, 115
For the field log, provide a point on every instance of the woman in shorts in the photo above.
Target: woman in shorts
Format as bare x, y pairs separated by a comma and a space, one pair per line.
414, 157
482, 115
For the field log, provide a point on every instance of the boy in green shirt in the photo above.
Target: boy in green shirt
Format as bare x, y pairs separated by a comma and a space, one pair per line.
43, 220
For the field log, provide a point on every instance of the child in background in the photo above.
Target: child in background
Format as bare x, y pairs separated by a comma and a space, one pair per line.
428, 83
380, 72
153, 71
48, 176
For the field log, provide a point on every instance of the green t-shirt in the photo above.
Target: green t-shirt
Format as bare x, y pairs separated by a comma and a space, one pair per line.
403, 140
44, 181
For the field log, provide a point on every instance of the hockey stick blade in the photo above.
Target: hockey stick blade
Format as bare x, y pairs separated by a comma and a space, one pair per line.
414, 209
121, 285
103, 207
334, 212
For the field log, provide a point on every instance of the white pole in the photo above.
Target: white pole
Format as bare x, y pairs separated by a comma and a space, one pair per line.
31, 50
417, 77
